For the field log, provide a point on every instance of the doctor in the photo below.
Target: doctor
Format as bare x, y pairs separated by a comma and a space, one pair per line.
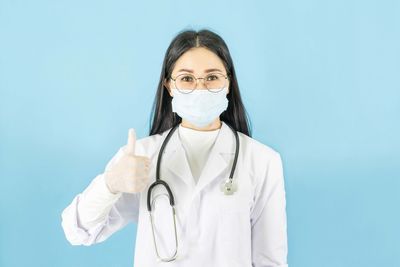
221, 199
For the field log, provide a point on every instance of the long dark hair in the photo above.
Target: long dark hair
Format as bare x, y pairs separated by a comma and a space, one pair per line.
162, 117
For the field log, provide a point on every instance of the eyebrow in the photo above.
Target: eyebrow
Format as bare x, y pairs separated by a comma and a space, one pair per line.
206, 71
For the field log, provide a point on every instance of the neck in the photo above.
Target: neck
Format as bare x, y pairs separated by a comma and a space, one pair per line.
216, 124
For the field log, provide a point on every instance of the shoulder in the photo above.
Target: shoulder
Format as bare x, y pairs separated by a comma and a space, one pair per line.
259, 158
254, 148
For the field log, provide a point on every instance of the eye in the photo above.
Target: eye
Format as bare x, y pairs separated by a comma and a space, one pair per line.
186, 78
212, 77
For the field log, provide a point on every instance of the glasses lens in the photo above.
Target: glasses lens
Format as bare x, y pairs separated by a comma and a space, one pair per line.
185, 83
215, 81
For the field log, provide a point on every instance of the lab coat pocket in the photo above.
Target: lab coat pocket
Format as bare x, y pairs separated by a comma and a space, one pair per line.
235, 230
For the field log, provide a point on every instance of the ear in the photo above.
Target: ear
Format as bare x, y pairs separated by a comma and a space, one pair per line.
167, 85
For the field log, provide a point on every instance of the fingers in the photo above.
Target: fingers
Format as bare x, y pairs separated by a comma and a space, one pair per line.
136, 183
131, 142
142, 167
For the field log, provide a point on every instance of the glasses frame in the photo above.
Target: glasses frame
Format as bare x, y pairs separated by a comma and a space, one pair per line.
186, 91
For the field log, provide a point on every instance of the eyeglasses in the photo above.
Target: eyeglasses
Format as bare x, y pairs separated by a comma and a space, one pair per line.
186, 83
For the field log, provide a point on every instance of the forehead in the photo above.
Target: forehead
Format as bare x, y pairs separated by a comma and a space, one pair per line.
198, 59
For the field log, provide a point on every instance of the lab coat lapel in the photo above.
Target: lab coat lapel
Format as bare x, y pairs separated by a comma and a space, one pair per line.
221, 157
174, 159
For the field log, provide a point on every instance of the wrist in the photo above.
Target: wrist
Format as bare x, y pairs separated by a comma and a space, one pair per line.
108, 185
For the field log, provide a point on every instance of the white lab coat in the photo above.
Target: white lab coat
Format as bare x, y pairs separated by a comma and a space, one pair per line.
247, 228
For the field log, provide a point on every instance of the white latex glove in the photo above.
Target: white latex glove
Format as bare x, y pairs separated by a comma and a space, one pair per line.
130, 173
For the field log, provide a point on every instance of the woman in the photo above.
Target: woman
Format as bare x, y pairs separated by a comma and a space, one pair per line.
216, 208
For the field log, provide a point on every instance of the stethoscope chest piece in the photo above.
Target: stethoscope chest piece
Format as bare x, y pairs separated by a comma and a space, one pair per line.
228, 187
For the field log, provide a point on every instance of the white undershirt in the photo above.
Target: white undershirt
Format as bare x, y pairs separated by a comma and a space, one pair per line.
197, 145
96, 200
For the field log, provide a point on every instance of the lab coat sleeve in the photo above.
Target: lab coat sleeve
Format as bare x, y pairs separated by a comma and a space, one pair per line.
268, 218
96, 213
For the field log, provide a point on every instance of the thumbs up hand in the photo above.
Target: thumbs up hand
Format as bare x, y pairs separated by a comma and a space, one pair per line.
130, 173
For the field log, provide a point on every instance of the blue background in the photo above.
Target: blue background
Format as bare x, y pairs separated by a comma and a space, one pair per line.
320, 80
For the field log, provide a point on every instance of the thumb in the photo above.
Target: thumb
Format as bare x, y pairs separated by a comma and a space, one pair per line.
131, 142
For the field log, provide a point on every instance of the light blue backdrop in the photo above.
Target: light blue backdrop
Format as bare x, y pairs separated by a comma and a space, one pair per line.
320, 79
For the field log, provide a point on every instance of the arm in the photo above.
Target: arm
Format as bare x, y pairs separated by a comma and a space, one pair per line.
96, 213
268, 219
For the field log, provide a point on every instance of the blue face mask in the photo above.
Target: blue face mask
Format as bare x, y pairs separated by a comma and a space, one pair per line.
200, 107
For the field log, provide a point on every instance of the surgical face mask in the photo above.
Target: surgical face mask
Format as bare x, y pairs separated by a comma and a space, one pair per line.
200, 107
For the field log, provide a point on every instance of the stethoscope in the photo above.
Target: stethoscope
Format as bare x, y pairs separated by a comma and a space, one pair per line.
228, 187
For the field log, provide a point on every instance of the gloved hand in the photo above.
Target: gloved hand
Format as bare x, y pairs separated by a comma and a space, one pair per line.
130, 173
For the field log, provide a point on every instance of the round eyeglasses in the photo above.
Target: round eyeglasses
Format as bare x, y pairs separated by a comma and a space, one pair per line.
187, 83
